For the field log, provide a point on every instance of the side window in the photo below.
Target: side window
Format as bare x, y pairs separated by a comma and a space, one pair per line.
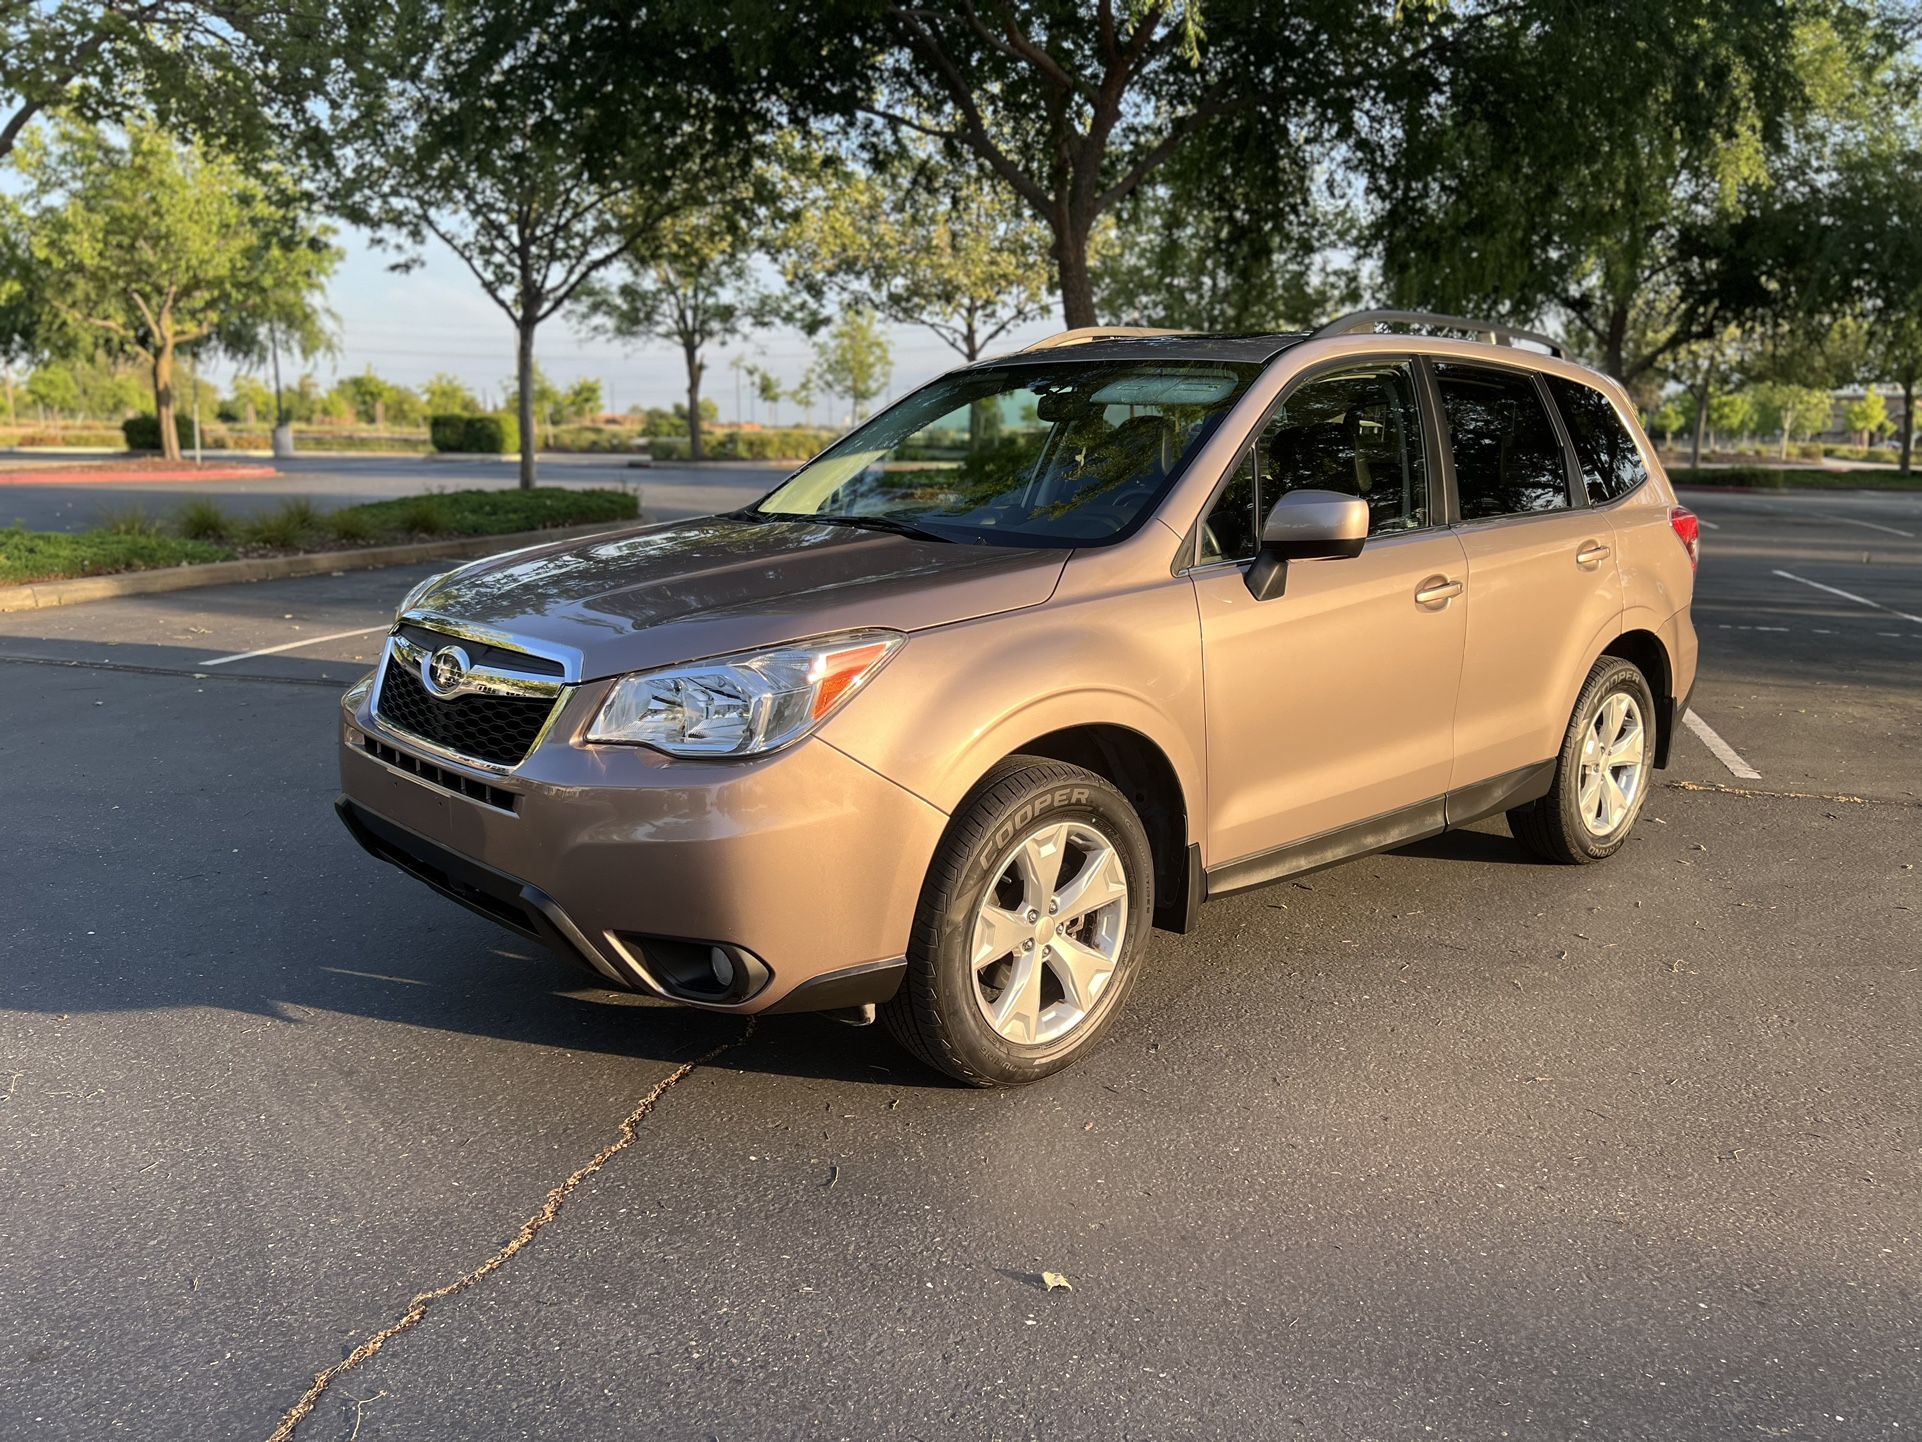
1232, 532
1611, 462
1508, 457
1356, 432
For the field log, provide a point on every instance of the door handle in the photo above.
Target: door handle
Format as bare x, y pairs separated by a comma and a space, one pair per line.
1436, 590
1592, 553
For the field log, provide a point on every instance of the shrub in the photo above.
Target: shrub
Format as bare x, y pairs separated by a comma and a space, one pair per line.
427, 515
448, 433
129, 521
668, 448
142, 433
202, 519
352, 526
285, 529
494, 435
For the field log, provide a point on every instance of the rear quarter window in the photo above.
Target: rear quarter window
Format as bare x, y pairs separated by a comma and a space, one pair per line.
1611, 461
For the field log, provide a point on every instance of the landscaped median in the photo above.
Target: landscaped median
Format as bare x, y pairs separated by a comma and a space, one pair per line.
202, 544
1792, 478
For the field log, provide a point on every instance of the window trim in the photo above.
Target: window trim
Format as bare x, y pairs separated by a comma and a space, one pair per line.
1574, 488
1188, 553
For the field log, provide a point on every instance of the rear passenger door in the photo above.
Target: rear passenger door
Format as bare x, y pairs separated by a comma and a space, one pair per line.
1543, 588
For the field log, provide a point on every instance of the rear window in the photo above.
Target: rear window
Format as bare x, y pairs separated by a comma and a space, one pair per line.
1611, 461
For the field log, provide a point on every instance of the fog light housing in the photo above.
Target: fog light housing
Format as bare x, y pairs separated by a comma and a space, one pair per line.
715, 972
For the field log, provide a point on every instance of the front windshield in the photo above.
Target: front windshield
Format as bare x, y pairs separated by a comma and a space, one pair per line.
1046, 453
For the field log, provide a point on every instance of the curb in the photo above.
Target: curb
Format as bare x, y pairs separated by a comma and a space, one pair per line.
39, 595
56, 476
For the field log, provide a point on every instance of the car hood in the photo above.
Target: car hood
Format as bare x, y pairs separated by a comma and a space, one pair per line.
689, 589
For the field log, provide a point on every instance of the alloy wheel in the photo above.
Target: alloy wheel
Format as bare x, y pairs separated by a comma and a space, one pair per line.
1614, 763
1049, 931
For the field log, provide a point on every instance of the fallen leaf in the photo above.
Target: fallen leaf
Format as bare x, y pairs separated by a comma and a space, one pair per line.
1054, 1282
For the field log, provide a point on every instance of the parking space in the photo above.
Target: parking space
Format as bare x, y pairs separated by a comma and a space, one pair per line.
1442, 1142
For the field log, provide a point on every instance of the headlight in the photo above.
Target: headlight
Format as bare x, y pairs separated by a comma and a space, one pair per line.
742, 705
413, 597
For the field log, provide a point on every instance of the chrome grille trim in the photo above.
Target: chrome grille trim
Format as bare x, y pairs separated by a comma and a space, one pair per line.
480, 681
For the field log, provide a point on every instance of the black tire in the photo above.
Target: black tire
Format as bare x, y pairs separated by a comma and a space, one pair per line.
1552, 827
936, 1015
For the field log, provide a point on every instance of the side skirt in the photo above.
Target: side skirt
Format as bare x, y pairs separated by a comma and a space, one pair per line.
1383, 833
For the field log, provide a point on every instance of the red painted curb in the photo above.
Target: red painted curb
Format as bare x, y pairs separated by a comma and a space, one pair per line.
55, 476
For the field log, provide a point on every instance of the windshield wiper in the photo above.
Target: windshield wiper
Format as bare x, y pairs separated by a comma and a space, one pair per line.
864, 523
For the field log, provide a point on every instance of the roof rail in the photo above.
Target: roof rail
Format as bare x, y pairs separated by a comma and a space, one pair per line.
1489, 331
1083, 334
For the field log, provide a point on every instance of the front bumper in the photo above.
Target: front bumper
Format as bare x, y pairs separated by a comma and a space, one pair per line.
805, 866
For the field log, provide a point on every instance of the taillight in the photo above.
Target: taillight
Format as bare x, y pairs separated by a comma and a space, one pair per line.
1690, 530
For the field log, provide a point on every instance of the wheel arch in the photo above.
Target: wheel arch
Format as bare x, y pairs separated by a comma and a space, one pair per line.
1649, 654
1137, 765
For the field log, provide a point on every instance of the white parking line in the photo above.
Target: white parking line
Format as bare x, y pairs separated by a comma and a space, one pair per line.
293, 645
1849, 596
1724, 753
1869, 525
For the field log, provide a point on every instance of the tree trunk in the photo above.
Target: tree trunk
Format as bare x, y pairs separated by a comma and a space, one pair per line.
524, 379
1615, 361
1701, 425
1077, 284
163, 398
1908, 420
694, 369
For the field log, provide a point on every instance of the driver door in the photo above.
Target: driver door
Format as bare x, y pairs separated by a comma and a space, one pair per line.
1332, 704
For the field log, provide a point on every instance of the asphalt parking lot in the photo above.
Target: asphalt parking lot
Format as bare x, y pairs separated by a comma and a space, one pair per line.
1441, 1143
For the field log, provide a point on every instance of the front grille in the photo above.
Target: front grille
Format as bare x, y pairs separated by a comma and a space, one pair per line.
440, 775
496, 729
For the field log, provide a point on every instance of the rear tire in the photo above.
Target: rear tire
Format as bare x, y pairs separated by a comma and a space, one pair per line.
1602, 773
1030, 929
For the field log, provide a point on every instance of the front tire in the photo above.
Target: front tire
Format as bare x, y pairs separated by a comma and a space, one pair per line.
1602, 773
1030, 928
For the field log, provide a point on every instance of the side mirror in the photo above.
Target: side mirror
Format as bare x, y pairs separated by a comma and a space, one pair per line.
1306, 525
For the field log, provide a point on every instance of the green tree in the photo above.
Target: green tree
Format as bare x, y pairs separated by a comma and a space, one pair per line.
856, 361
103, 60
1794, 412
1233, 234
448, 395
538, 145
921, 243
1599, 163
1731, 414
53, 388
768, 390
691, 285
1073, 107
1868, 418
248, 400
148, 246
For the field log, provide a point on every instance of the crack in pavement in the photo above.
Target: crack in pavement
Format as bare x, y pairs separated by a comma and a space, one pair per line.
417, 1309
1716, 790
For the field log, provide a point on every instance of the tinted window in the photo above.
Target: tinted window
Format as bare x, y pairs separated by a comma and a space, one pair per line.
1611, 462
1508, 457
1059, 452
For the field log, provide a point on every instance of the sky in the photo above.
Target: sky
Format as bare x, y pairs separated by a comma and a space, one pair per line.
437, 318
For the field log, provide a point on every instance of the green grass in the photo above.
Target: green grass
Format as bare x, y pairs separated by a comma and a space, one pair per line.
496, 513
132, 540
1795, 478
50, 555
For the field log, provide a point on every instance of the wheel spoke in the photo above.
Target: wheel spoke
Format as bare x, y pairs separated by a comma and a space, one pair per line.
1609, 723
1591, 792
1627, 748
1039, 862
998, 933
1017, 1011
1099, 882
1615, 804
1082, 971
